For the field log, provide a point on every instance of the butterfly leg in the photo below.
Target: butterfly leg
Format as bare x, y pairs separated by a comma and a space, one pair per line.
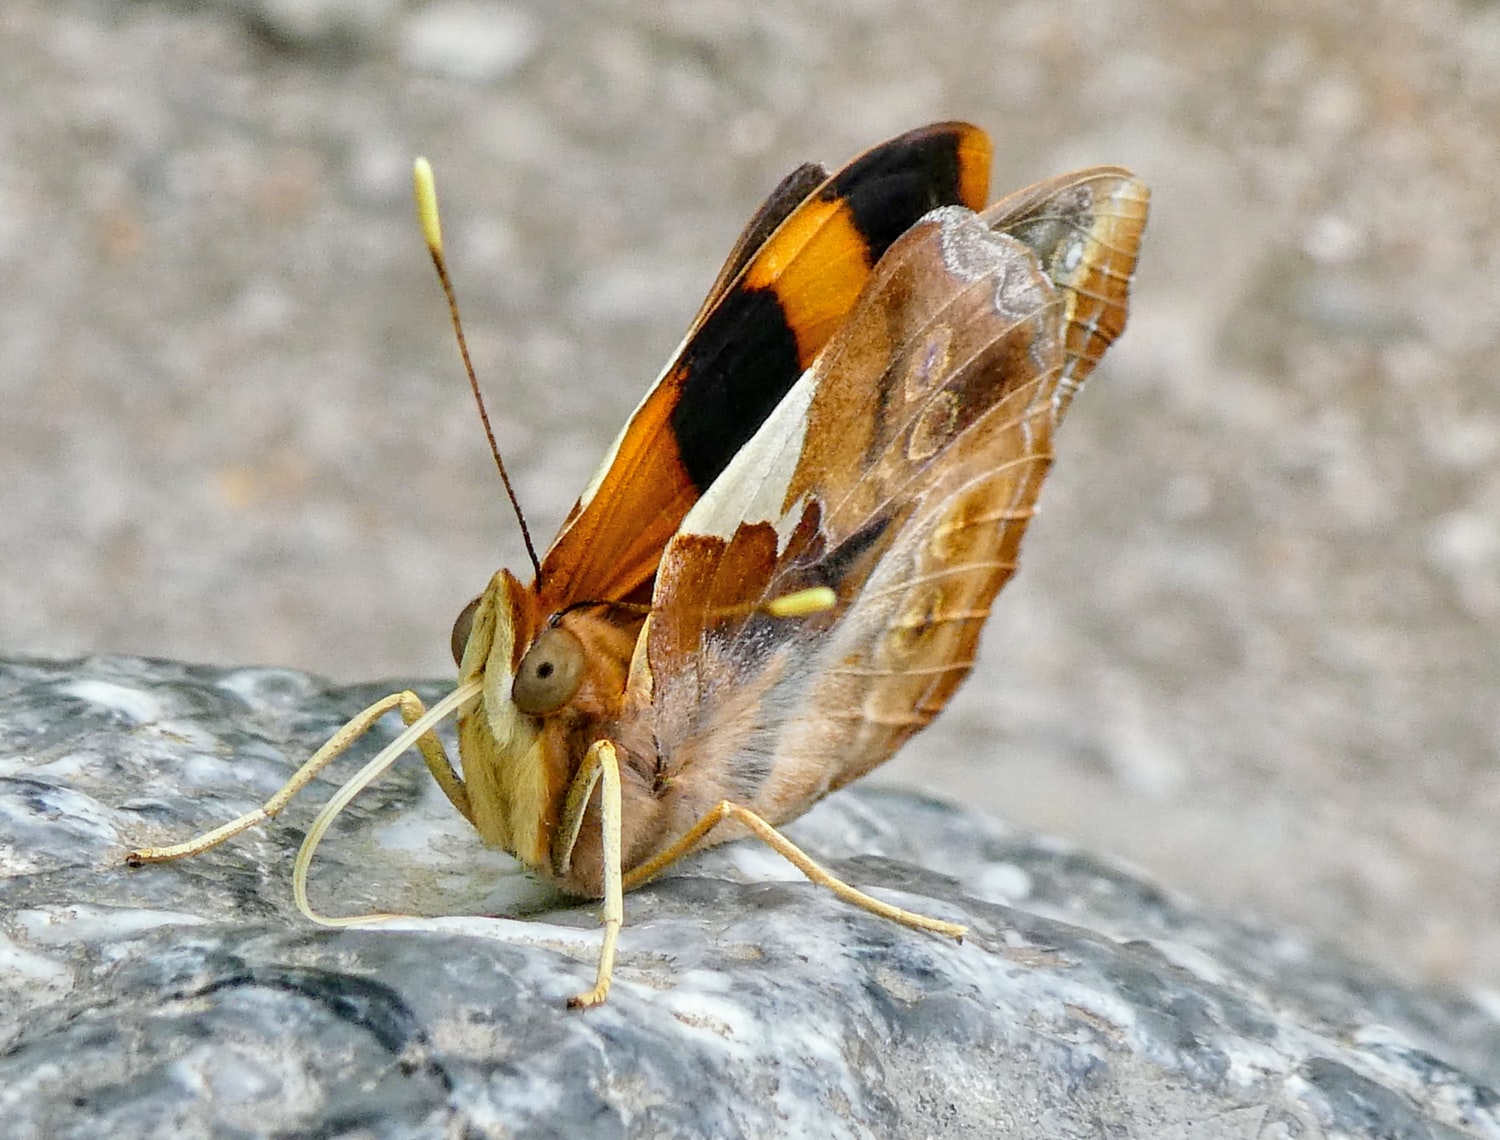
432, 751
600, 765
725, 810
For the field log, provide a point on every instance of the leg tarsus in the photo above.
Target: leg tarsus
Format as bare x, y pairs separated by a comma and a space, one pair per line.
605, 974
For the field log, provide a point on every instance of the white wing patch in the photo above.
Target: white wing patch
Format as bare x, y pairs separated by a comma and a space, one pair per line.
753, 487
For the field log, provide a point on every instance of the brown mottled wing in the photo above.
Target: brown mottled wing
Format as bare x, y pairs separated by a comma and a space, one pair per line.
1086, 227
901, 471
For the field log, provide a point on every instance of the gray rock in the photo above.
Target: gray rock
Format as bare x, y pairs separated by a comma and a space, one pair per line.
191, 1000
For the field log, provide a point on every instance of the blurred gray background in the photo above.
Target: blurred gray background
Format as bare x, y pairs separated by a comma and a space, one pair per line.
1255, 644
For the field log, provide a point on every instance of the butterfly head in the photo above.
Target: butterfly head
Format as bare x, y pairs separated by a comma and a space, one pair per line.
509, 758
549, 672
543, 676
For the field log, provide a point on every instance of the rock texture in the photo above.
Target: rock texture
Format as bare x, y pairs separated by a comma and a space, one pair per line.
191, 1000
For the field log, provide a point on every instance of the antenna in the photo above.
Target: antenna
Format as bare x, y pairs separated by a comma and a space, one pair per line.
432, 231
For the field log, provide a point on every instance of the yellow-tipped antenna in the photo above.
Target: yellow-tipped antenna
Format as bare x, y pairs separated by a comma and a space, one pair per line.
432, 232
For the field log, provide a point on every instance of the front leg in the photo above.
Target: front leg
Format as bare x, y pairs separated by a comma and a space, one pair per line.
433, 753
600, 764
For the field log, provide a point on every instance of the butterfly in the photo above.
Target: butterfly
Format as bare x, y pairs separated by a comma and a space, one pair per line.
782, 567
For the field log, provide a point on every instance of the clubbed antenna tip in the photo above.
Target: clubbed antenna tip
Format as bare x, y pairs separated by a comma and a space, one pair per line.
432, 232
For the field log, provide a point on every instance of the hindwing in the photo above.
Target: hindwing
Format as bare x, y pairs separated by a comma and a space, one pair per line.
901, 470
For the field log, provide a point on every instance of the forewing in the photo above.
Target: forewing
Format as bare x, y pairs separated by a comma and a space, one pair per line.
790, 193
901, 471
785, 301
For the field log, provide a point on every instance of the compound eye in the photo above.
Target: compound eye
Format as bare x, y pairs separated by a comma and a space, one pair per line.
550, 673
461, 630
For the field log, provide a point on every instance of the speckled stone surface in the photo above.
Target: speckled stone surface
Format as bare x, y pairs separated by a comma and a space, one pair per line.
191, 1000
